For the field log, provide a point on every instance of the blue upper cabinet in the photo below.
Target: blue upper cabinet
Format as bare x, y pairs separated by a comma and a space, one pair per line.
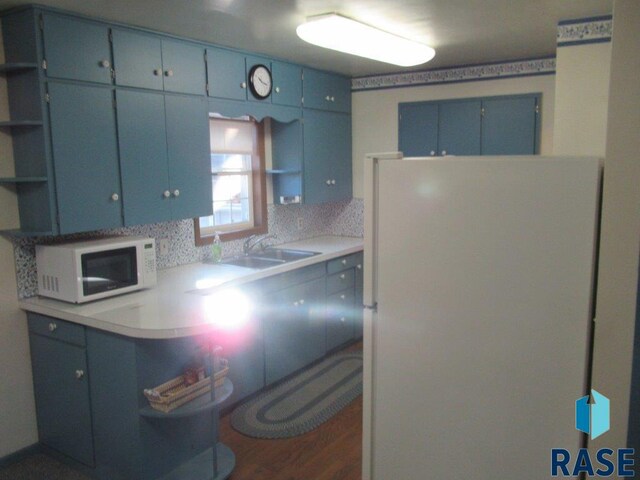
150, 61
143, 157
287, 84
327, 157
85, 157
505, 125
418, 129
510, 125
459, 127
76, 49
326, 91
226, 74
189, 156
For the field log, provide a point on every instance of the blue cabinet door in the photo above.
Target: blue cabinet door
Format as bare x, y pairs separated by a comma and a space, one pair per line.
287, 84
509, 126
294, 333
226, 74
76, 49
183, 67
143, 157
187, 121
340, 321
85, 157
418, 129
63, 409
326, 91
327, 156
137, 59
459, 127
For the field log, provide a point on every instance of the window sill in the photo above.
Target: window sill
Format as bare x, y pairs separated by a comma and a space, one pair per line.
226, 236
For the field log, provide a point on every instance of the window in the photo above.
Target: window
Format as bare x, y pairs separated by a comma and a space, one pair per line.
237, 181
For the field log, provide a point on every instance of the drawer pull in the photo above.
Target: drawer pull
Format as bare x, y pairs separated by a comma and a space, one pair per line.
343, 296
342, 276
342, 319
302, 301
344, 261
53, 326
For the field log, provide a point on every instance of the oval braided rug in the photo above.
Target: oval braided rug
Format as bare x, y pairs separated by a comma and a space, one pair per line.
305, 401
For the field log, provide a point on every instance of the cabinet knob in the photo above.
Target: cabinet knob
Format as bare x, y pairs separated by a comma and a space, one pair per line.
243, 85
295, 304
444, 152
343, 296
168, 73
166, 194
342, 319
344, 261
79, 374
105, 63
302, 301
333, 181
52, 327
359, 266
333, 99
342, 276
328, 182
176, 193
432, 153
327, 98
277, 89
157, 72
115, 197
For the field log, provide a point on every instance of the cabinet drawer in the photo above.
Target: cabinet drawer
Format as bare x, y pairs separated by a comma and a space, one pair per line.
343, 263
340, 318
294, 277
58, 329
340, 281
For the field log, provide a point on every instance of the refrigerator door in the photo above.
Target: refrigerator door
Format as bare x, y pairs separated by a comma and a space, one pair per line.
482, 272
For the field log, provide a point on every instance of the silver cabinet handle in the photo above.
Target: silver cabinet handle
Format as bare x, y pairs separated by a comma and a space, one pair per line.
115, 197
105, 63
168, 73
444, 152
333, 181
52, 327
243, 85
343, 276
157, 72
176, 193
432, 153
277, 89
344, 261
166, 194
79, 374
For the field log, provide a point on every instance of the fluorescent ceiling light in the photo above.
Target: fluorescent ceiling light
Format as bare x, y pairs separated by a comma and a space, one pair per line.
349, 36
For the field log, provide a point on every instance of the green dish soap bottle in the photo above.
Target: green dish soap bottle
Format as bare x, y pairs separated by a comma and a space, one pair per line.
216, 249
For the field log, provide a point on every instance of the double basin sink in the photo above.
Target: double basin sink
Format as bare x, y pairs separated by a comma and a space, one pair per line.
269, 257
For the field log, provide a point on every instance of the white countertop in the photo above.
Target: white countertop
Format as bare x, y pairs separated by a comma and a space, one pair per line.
187, 299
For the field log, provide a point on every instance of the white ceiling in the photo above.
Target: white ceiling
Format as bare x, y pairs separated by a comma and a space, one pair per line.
462, 31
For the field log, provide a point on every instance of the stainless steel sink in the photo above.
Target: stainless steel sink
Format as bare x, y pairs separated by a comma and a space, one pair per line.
252, 262
284, 254
269, 257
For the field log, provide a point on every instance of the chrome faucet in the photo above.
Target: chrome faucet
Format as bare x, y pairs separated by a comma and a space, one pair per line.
253, 241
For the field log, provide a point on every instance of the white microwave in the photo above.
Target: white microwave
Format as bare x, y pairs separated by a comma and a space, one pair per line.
79, 272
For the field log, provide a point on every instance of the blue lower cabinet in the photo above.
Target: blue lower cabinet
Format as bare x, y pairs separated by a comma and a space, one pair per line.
92, 409
85, 157
294, 329
340, 321
61, 388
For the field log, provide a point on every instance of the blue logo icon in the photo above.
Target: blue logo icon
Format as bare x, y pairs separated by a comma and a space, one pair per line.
593, 418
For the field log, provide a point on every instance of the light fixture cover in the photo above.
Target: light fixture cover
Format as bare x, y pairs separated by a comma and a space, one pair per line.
349, 36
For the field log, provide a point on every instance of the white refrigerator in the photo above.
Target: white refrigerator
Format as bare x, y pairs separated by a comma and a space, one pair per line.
479, 280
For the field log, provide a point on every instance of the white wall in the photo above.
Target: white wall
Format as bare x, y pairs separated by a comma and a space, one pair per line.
17, 411
620, 232
375, 113
582, 93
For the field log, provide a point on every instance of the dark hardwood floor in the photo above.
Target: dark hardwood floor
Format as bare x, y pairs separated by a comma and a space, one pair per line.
333, 451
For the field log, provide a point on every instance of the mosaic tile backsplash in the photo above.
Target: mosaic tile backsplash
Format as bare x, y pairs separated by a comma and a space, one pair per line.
340, 218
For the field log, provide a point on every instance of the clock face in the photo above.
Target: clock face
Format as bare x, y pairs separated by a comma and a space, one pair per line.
260, 81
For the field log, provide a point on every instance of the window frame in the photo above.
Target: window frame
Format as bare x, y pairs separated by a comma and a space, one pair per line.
259, 187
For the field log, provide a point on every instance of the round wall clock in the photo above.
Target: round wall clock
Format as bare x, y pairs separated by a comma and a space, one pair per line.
260, 81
